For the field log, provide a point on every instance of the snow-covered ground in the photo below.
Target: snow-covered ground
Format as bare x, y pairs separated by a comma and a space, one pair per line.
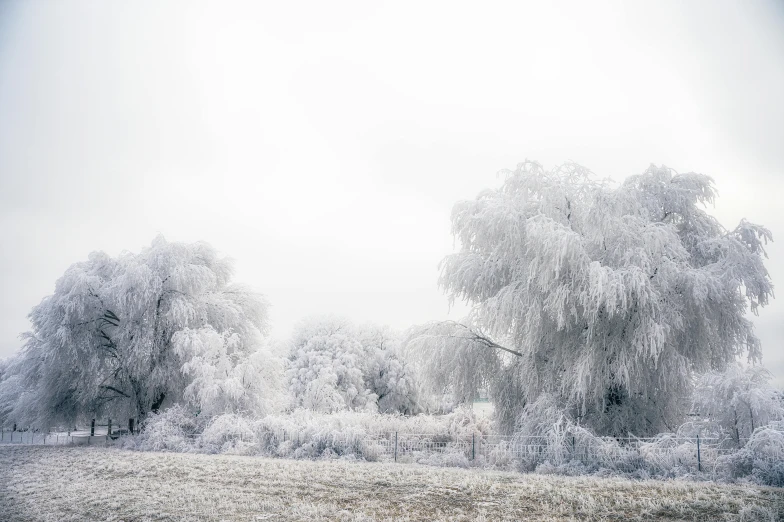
39, 483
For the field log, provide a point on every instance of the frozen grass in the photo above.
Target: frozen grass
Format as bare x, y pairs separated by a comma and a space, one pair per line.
39, 483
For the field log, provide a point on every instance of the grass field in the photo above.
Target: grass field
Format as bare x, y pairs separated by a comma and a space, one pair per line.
39, 483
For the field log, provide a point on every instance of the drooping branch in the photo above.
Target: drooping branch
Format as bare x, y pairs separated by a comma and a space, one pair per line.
115, 390
465, 333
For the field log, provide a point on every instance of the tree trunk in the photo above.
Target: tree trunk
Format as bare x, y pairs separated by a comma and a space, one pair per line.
157, 404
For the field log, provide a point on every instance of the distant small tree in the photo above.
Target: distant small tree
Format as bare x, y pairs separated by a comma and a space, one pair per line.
387, 373
324, 367
738, 399
334, 365
609, 297
123, 336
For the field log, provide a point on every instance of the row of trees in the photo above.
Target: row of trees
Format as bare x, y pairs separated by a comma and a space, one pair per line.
128, 336
604, 299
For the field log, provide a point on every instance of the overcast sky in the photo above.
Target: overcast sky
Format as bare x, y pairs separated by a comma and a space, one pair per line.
322, 145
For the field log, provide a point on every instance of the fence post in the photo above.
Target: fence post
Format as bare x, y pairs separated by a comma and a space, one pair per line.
395, 446
699, 460
473, 446
130, 426
109, 428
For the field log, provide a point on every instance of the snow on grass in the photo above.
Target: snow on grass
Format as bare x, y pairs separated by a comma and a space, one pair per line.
40, 483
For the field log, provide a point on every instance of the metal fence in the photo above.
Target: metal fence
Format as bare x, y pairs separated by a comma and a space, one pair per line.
629, 454
56, 438
623, 454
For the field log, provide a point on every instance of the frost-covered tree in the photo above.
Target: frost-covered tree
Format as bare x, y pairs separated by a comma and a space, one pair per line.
334, 365
738, 399
224, 375
10, 388
611, 295
124, 336
388, 375
325, 367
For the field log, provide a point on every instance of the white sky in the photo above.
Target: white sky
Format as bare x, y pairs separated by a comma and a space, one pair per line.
322, 145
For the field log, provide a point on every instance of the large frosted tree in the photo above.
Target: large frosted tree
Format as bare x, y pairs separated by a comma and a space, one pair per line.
124, 336
608, 297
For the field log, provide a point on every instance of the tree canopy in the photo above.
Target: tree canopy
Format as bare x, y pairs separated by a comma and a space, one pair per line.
123, 336
612, 295
335, 365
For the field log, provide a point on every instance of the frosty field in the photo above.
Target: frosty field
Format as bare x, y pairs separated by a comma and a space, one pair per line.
39, 483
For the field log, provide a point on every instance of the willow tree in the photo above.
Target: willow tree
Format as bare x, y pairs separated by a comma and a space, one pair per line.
125, 336
608, 297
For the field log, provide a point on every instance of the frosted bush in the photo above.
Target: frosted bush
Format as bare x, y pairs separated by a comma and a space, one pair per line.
767, 447
174, 429
669, 455
305, 451
738, 400
614, 456
372, 451
463, 423
328, 454
501, 456
285, 449
768, 441
224, 432
768, 472
240, 447
761, 459
451, 458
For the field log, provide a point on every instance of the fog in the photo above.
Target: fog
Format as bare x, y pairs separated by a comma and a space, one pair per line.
323, 146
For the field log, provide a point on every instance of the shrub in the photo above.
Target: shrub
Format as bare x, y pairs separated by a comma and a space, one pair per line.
229, 433
174, 429
761, 459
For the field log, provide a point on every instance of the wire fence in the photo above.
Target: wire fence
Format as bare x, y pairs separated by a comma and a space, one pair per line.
95, 434
624, 454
